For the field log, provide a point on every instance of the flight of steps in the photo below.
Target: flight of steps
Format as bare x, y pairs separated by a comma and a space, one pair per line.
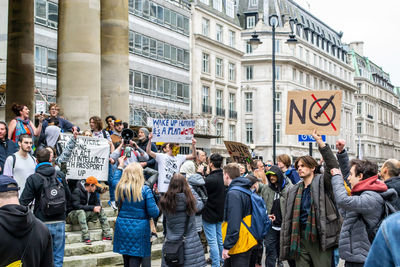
100, 253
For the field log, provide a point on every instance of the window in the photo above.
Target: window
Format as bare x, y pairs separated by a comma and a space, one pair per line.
301, 77
205, 26
301, 53
278, 101
219, 33
206, 63
52, 61
232, 72
359, 108
40, 59
217, 4
231, 38
205, 2
359, 127
253, 3
232, 135
160, 14
277, 72
232, 102
52, 15
308, 82
230, 8
219, 71
205, 100
278, 133
46, 13
249, 72
250, 22
219, 133
249, 48
249, 101
249, 133
40, 11
219, 103
294, 75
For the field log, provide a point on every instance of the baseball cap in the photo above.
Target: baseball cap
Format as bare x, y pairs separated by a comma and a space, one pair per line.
5, 181
93, 180
117, 122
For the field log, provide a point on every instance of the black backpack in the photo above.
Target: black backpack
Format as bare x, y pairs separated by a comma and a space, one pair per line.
388, 209
53, 199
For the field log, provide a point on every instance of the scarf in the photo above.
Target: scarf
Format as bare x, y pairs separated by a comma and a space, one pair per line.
310, 232
22, 127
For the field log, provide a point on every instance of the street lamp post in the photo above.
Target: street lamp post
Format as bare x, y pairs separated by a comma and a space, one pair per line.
254, 42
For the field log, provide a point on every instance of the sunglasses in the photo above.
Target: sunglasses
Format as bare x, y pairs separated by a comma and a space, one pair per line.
269, 165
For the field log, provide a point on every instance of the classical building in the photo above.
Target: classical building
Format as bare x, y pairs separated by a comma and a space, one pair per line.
318, 62
377, 109
216, 59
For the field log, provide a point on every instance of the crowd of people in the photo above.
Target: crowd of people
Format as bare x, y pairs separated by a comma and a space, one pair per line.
317, 213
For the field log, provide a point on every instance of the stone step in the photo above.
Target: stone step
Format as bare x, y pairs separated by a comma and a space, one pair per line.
108, 258
91, 225
76, 236
82, 249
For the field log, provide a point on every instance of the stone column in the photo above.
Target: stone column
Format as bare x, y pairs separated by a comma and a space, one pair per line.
115, 59
78, 79
20, 62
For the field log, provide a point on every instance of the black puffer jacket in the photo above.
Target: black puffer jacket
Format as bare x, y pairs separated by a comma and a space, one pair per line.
394, 183
80, 198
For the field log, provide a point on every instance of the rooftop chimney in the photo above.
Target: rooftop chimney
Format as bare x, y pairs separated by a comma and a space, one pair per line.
358, 47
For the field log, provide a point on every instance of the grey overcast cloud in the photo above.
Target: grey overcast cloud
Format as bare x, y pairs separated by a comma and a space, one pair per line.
376, 23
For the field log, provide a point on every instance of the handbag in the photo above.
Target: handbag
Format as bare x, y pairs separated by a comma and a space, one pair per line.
174, 253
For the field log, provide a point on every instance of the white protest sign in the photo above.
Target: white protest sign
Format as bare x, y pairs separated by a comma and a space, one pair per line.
173, 131
89, 157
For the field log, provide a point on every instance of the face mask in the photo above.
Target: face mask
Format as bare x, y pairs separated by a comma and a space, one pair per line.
175, 150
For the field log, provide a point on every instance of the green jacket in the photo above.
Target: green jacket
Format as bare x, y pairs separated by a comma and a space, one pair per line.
267, 194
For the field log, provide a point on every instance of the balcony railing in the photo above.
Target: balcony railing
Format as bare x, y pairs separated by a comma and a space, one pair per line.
207, 109
232, 114
220, 112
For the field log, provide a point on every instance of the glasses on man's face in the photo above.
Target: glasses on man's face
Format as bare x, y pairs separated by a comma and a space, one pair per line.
269, 165
92, 185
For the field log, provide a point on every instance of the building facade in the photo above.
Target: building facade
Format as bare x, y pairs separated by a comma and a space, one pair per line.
318, 62
216, 60
377, 109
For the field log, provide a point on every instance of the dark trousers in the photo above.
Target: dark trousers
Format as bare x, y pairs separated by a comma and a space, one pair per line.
238, 260
353, 264
132, 261
271, 248
256, 255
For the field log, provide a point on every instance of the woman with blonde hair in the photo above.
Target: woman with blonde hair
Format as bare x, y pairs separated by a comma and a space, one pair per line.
136, 206
260, 174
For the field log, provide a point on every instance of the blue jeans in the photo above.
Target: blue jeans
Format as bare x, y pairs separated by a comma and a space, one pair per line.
111, 170
214, 238
57, 231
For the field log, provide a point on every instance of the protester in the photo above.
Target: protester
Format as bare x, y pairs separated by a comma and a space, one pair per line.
268, 165
116, 136
21, 123
311, 224
201, 160
284, 163
213, 211
385, 249
136, 207
259, 164
260, 174
21, 164
96, 127
7, 147
179, 206
169, 162
362, 210
110, 124
142, 143
25, 240
86, 207
242, 170
34, 189
274, 195
238, 241
344, 162
390, 173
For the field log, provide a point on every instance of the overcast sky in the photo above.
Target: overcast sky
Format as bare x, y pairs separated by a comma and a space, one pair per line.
374, 22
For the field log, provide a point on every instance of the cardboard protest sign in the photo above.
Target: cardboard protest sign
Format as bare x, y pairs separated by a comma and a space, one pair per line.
89, 157
173, 131
238, 152
309, 110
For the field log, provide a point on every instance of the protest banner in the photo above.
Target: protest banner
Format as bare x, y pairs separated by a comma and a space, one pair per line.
238, 152
89, 157
173, 131
309, 110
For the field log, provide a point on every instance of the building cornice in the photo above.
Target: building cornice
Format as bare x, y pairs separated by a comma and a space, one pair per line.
218, 44
202, 9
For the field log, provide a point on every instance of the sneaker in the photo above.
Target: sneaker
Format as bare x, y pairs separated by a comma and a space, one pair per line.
154, 237
112, 205
107, 238
88, 242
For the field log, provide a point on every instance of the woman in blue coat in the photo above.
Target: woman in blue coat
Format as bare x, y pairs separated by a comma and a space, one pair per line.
137, 206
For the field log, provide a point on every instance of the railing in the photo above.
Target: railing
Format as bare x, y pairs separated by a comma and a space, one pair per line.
220, 112
206, 109
232, 114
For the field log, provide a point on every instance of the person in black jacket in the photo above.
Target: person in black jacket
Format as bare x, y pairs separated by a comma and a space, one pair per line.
25, 240
238, 241
33, 191
86, 208
213, 211
142, 143
390, 173
7, 146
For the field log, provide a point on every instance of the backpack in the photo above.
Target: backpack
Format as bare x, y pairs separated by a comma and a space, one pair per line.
388, 209
202, 192
53, 199
260, 222
15, 159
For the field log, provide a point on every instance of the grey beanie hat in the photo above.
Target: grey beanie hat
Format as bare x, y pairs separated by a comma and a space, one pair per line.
146, 132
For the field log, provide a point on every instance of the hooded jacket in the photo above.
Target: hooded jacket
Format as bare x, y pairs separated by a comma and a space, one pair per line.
20, 230
7, 148
364, 206
394, 183
197, 184
82, 200
34, 187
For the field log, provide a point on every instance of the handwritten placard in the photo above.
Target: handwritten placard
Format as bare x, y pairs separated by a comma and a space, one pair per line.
173, 131
238, 152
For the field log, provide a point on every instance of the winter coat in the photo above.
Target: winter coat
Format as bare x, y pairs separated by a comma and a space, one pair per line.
365, 205
292, 174
175, 225
237, 238
80, 198
327, 217
7, 148
132, 228
19, 229
213, 211
151, 162
394, 183
385, 249
34, 187
197, 184
64, 124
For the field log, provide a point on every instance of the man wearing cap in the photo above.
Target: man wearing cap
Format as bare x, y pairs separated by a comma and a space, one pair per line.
24, 239
86, 208
116, 136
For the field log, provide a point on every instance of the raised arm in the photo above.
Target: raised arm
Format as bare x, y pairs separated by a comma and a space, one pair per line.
148, 148
343, 158
193, 155
11, 128
38, 130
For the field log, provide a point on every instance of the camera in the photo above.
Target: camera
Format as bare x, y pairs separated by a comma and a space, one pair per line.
127, 135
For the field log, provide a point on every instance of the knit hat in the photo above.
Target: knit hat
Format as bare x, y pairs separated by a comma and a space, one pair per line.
188, 168
145, 131
52, 133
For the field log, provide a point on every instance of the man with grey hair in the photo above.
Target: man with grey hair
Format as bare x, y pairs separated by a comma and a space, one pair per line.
390, 173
